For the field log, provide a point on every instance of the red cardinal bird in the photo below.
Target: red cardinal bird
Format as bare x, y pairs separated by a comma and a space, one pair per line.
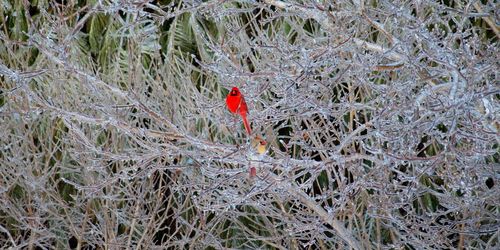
236, 104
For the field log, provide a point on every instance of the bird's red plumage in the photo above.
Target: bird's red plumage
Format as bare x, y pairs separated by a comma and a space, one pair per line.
236, 103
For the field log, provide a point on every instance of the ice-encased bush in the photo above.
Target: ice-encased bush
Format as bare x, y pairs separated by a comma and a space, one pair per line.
380, 122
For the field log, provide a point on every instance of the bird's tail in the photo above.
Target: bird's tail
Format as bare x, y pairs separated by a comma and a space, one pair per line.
247, 125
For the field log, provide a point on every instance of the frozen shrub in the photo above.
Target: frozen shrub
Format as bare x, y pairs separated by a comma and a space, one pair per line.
379, 119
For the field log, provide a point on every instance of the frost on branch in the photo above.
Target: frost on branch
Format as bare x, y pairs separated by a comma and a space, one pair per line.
380, 122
